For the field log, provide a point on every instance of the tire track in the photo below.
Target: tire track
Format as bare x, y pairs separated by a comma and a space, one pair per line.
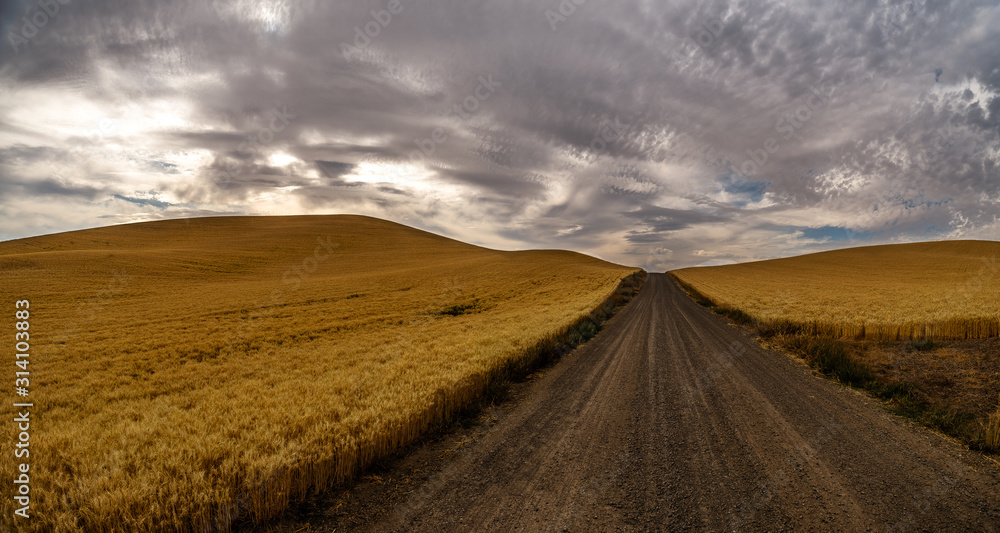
670, 420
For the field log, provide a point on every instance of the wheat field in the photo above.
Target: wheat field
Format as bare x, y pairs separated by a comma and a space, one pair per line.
938, 290
190, 374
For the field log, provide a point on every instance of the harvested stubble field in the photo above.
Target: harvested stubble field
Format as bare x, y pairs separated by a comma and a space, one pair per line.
193, 373
937, 290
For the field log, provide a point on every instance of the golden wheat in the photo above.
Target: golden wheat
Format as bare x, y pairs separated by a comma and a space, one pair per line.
944, 290
195, 372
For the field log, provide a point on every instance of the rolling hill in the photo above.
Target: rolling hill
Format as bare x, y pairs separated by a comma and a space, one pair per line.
194, 373
945, 290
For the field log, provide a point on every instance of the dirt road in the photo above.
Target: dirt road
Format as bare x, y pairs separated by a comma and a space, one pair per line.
672, 420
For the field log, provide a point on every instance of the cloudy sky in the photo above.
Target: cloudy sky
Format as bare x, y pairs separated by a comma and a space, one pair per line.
651, 133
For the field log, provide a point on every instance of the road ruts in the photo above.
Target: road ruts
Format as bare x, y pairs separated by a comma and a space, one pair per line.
672, 420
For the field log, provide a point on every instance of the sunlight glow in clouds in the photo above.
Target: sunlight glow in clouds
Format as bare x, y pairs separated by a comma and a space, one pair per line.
142, 111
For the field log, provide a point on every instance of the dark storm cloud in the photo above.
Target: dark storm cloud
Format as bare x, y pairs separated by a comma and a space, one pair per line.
656, 223
334, 172
511, 186
751, 119
52, 187
221, 141
661, 219
20, 154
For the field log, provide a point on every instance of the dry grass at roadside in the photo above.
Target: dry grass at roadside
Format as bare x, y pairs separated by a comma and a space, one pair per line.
991, 430
192, 373
950, 386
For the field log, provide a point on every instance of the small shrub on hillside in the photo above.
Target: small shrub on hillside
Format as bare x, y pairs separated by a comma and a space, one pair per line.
459, 309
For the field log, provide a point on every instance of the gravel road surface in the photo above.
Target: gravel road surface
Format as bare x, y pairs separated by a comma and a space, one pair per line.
672, 420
